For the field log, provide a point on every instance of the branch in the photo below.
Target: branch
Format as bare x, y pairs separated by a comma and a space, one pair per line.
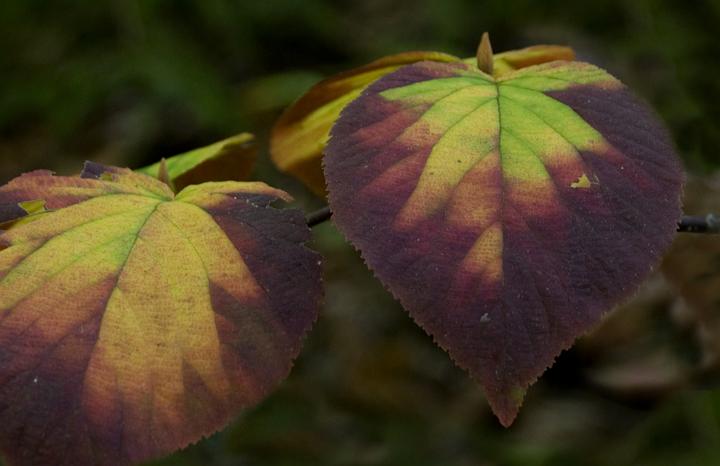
319, 216
708, 224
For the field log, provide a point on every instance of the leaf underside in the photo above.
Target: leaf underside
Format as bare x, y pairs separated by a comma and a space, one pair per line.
134, 321
506, 213
301, 133
227, 160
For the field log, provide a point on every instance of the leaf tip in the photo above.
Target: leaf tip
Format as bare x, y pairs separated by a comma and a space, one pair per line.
485, 55
506, 405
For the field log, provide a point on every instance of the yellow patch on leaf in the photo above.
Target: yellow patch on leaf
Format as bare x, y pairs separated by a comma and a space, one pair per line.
582, 183
485, 256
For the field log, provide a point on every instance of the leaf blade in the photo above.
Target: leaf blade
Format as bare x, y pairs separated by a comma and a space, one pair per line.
132, 326
461, 192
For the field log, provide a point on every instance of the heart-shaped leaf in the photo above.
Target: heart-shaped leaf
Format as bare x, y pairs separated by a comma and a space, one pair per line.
507, 214
301, 133
134, 321
227, 160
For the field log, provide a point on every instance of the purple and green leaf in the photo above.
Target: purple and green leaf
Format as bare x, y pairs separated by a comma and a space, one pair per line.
507, 212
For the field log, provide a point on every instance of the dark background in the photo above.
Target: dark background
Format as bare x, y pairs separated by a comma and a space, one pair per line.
127, 82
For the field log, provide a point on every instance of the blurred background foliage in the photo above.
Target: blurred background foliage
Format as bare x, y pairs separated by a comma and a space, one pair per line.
126, 82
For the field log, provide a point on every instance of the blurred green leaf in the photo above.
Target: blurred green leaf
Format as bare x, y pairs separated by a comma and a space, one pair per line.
229, 159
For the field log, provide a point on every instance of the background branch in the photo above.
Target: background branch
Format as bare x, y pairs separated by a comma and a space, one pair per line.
688, 224
707, 224
319, 216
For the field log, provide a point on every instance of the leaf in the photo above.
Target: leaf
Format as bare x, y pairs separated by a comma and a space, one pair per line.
466, 195
299, 136
301, 133
226, 160
134, 321
512, 60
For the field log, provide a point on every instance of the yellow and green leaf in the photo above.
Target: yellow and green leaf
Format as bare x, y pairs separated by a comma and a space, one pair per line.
300, 135
231, 159
134, 321
506, 212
